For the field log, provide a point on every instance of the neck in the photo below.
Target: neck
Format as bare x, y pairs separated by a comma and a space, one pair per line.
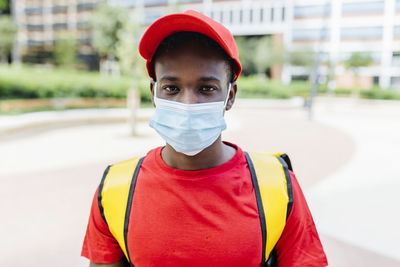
216, 154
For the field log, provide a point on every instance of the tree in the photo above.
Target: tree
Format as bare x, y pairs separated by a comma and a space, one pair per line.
258, 54
267, 54
354, 63
107, 23
130, 61
245, 46
358, 60
65, 51
301, 57
4, 6
8, 31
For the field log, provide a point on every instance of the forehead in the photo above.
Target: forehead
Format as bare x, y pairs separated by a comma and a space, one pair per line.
191, 60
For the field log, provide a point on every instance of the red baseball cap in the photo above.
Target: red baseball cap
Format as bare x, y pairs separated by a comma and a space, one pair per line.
191, 21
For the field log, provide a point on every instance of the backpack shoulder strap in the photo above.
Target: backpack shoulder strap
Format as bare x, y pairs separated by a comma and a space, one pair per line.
115, 198
271, 180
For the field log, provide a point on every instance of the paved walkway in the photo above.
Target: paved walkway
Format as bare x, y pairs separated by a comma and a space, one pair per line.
47, 178
359, 203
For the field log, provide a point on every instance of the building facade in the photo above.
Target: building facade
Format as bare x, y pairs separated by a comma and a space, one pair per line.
41, 22
334, 29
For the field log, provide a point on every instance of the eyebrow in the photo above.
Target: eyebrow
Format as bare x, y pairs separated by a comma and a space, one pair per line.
169, 78
209, 78
203, 79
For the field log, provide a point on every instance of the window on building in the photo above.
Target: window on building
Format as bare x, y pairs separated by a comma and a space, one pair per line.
398, 5
312, 11
155, 2
85, 40
35, 43
261, 14
83, 25
395, 82
126, 3
188, 1
363, 7
310, 34
241, 16
272, 15
35, 27
231, 16
60, 26
251, 15
376, 80
33, 11
59, 9
361, 33
396, 58
283, 14
396, 32
85, 6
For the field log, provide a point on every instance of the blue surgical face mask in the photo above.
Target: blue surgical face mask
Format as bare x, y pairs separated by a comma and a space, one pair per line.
189, 128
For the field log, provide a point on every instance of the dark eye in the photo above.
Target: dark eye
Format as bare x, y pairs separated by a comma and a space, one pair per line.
171, 89
208, 89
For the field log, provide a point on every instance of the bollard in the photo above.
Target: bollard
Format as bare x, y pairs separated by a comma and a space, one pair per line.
133, 103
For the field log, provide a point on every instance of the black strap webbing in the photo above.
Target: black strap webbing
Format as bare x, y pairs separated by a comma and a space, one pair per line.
286, 169
286, 158
99, 193
272, 260
261, 213
128, 207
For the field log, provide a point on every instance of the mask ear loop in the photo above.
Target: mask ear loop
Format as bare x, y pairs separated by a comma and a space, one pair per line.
155, 91
227, 96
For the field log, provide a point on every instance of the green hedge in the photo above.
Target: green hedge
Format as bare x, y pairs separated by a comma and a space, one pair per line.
342, 92
253, 86
373, 93
30, 82
377, 93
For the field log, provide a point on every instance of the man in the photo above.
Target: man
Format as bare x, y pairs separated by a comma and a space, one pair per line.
194, 203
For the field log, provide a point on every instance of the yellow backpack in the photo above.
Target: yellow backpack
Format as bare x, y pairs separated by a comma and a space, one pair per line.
272, 187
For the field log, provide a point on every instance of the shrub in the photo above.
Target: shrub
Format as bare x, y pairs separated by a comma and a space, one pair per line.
377, 93
29, 82
342, 92
254, 86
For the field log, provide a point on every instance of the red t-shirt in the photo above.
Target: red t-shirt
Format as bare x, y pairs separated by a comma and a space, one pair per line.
201, 218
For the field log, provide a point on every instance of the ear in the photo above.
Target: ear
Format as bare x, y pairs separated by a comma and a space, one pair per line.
232, 95
152, 85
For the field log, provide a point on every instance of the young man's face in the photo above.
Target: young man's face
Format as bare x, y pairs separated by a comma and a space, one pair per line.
192, 74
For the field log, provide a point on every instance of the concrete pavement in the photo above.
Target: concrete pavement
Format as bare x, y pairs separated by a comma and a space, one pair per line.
359, 203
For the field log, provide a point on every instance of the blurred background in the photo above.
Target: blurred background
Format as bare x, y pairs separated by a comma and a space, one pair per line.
320, 81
